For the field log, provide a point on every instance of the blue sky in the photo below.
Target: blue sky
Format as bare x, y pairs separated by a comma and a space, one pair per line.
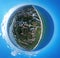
52, 50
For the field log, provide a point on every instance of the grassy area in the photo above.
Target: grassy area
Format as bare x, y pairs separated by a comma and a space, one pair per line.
38, 32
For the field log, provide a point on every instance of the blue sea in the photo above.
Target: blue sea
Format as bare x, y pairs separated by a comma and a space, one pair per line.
50, 48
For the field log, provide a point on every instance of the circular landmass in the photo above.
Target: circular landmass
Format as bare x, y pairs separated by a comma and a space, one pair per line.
25, 27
